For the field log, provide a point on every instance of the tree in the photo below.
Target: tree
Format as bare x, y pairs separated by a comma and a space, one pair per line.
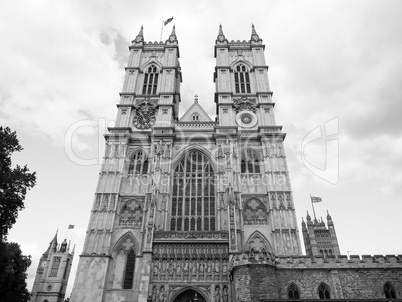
14, 182
13, 266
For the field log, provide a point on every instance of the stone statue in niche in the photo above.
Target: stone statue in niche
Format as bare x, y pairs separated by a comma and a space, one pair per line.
220, 152
217, 294
162, 294
166, 150
225, 294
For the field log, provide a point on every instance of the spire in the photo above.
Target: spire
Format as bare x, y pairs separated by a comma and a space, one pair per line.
140, 37
221, 37
329, 219
52, 245
173, 37
254, 35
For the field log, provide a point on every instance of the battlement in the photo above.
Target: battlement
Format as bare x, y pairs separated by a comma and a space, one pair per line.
329, 262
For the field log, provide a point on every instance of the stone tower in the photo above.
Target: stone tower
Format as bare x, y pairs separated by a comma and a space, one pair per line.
318, 239
53, 272
180, 203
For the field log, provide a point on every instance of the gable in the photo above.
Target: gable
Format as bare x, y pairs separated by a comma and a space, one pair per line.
197, 110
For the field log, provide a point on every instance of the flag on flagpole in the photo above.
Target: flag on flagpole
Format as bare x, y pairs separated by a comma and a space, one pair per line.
316, 199
168, 21
70, 226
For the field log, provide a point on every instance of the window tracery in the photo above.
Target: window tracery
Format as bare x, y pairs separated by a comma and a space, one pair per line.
150, 80
250, 163
389, 291
255, 212
138, 164
193, 198
293, 291
131, 214
242, 79
323, 291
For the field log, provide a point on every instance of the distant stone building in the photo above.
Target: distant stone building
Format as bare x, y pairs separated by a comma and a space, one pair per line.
195, 209
53, 272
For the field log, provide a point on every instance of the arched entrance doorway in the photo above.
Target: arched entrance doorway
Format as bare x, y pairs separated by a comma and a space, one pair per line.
189, 295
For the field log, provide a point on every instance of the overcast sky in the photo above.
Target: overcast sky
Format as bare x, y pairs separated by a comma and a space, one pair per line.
62, 62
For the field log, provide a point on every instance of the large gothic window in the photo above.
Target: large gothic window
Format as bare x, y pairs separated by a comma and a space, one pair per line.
193, 198
150, 80
129, 272
293, 291
250, 163
242, 79
389, 291
323, 291
138, 164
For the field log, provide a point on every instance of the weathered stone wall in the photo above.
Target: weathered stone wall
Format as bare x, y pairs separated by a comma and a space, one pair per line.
260, 278
254, 282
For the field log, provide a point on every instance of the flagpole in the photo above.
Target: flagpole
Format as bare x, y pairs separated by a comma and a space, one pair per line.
163, 23
312, 204
66, 233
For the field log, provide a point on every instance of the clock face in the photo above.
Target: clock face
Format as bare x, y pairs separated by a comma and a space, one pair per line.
44, 264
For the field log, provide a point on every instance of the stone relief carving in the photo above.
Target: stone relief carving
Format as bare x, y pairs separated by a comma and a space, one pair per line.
144, 117
244, 103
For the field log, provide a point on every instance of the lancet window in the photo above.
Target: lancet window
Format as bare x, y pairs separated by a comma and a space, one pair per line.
293, 291
250, 163
242, 79
323, 291
389, 291
195, 117
193, 198
138, 164
129, 271
150, 80
55, 267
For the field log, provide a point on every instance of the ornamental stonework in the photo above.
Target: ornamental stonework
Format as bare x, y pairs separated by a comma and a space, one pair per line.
144, 116
244, 103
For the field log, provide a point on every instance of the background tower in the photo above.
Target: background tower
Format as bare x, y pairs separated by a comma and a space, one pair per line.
53, 272
320, 240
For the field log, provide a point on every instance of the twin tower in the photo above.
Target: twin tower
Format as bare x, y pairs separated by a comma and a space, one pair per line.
190, 208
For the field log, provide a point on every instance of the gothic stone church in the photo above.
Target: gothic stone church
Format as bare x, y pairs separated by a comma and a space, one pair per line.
195, 209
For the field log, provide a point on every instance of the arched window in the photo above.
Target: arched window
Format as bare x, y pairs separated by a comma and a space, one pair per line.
195, 117
389, 291
323, 291
254, 212
242, 79
193, 198
129, 272
150, 80
250, 163
138, 164
293, 291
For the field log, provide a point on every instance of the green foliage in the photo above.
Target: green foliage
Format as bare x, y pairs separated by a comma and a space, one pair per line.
13, 266
14, 182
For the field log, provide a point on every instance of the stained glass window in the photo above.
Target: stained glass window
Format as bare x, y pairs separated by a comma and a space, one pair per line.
193, 200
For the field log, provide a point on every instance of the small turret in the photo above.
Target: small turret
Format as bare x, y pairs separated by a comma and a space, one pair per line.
221, 37
254, 35
172, 37
140, 36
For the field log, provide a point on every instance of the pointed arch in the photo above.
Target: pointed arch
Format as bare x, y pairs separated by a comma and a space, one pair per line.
138, 163
152, 61
187, 288
250, 161
124, 260
151, 76
293, 291
259, 243
254, 212
389, 290
193, 192
240, 60
324, 292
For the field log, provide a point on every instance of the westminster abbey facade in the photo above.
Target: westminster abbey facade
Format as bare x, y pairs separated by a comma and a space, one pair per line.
195, 209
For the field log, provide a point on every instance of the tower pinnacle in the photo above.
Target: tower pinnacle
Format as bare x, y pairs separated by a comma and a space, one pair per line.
254, 35
173, 37
140, 37
221, 37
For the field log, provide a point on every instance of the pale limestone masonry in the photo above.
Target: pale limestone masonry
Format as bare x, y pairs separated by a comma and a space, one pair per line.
196, 208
